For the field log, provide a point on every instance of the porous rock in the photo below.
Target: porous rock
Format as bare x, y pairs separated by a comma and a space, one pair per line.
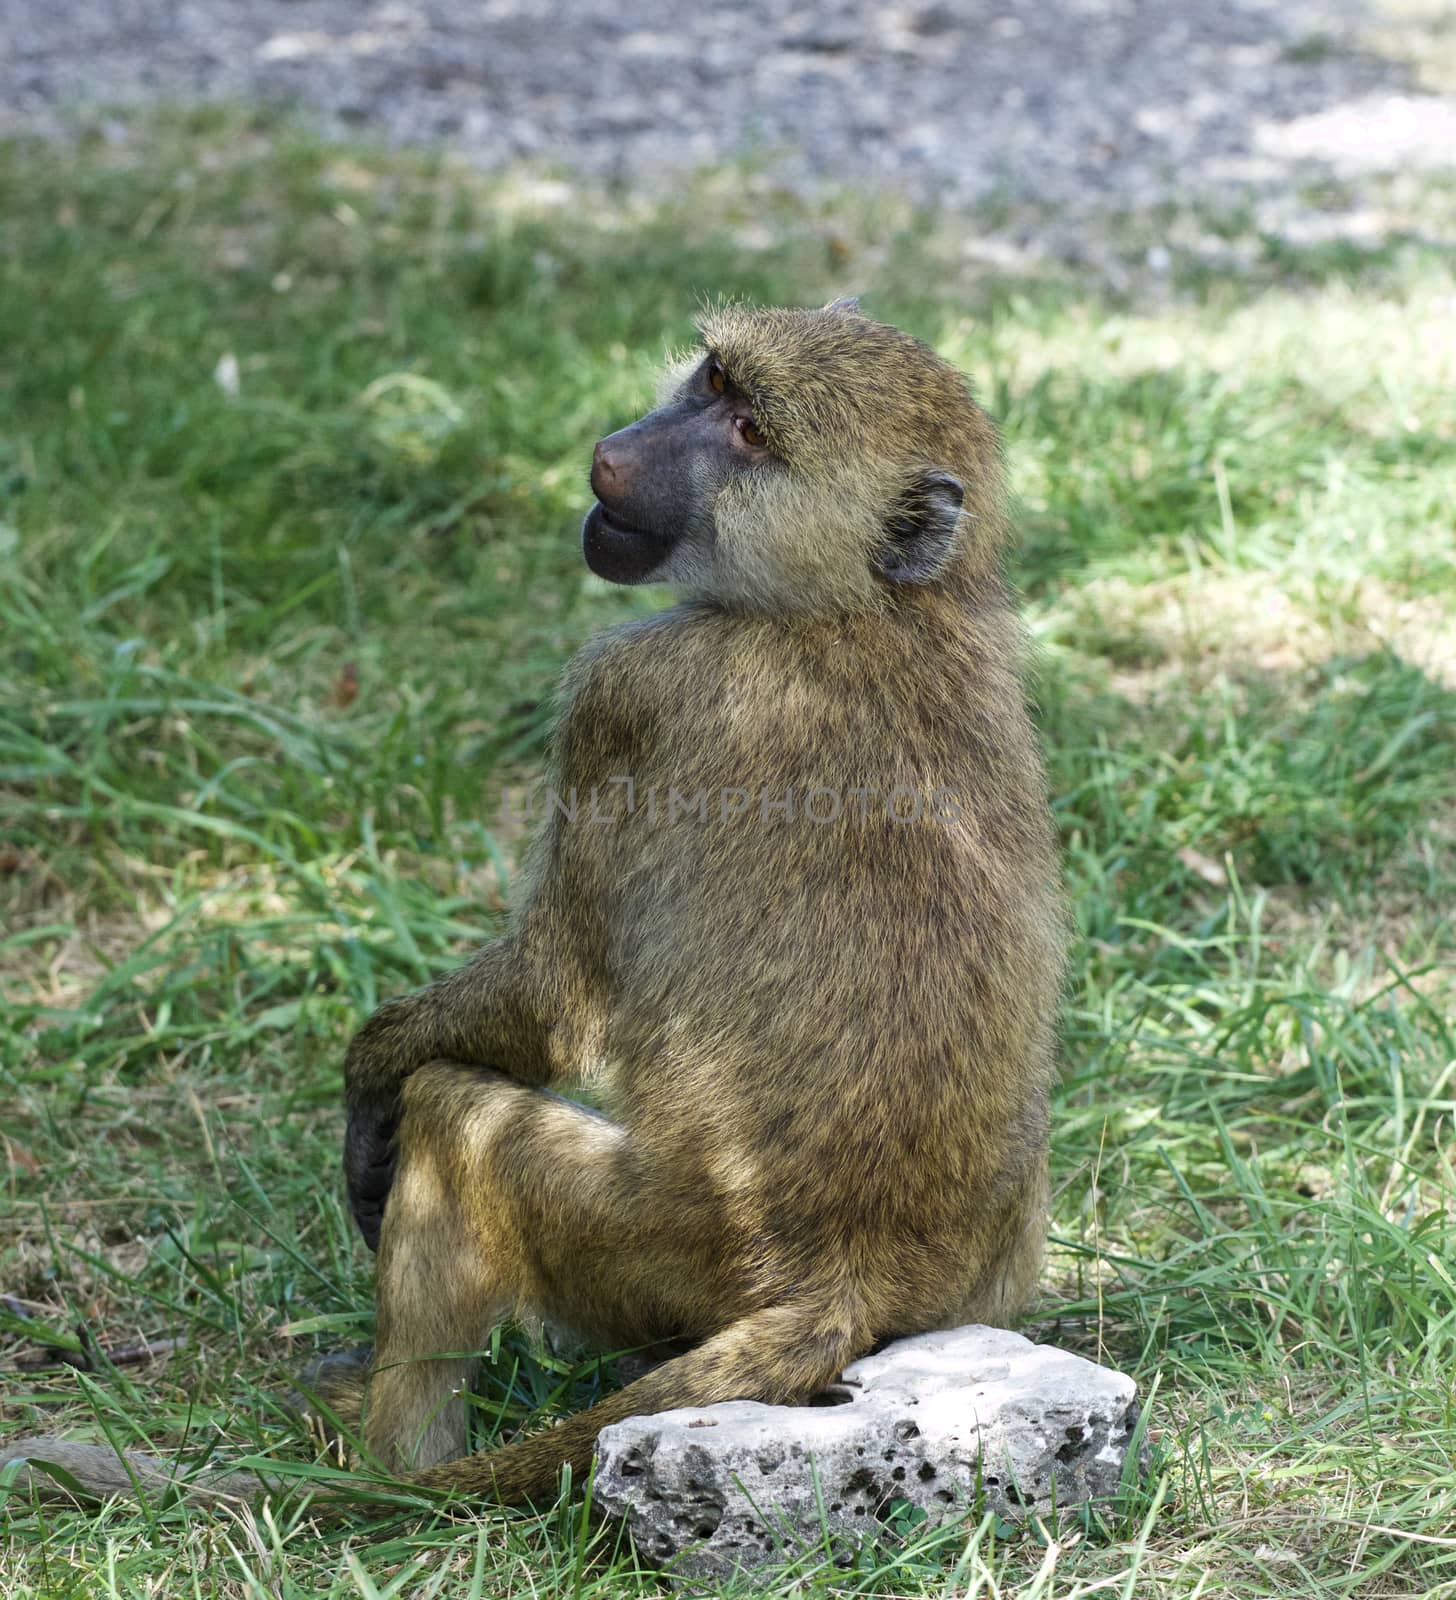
944, 1422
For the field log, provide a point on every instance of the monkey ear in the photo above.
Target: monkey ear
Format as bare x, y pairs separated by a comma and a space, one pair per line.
847, 303
920, 534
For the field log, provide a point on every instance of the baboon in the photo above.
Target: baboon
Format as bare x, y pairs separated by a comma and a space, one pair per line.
792, 911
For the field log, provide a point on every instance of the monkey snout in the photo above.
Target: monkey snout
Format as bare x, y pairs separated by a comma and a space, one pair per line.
611, 473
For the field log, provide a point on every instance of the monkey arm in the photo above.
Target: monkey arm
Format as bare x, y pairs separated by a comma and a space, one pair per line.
480, 1014
524, 1005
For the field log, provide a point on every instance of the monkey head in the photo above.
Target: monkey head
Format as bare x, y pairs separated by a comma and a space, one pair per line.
810, 461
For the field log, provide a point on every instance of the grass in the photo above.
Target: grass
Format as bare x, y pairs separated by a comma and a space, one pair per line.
292, 450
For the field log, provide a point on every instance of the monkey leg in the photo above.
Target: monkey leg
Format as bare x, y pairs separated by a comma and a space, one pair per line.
510, 1199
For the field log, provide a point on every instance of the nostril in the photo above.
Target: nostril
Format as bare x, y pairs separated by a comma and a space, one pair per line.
608, 474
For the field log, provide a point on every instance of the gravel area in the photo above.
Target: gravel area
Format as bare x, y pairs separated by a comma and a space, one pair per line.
1075, 104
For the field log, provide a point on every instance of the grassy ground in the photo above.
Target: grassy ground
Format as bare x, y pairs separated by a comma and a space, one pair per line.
292, 450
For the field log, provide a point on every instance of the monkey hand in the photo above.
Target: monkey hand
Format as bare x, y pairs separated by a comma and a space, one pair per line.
371, 1148
390, 1045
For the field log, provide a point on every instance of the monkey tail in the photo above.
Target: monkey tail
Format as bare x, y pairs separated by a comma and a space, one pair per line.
99, 1472
781, 1355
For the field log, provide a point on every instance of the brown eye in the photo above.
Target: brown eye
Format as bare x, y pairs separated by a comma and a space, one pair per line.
748, 429
716, 381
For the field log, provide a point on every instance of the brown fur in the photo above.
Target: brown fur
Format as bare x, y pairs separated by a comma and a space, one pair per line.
826, 1048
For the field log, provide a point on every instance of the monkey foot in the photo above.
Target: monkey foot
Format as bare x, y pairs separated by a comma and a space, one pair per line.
329, 1397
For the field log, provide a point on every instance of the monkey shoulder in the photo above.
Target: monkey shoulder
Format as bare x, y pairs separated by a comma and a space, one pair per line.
626, 681
638, 660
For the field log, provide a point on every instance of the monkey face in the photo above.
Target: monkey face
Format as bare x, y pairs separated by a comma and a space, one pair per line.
656, 482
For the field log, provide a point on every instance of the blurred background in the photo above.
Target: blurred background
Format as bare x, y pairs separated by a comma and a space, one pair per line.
310, 313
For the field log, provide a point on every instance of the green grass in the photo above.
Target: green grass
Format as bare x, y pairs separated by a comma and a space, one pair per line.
268, 659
